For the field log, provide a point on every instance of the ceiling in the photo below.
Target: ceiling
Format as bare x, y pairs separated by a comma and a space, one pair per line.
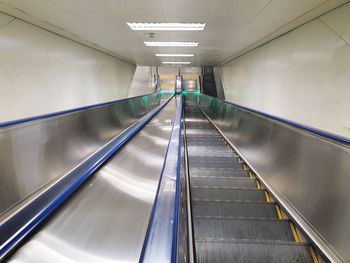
233, 26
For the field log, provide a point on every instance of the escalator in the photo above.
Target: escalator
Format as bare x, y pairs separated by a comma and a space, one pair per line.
154, 201
106, 219
233, 218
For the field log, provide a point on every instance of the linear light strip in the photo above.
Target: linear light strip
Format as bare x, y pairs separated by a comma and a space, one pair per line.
176, 62
174, 55
167, 26
170, 44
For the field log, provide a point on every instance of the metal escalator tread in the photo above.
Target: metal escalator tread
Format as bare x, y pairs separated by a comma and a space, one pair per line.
213, 149
232, 221
201, 131
214, 209
216, 159
214, 165
193, 139
198, 125
244, 252
194, 151
233, 182
193, 111
229, 195
222, 173
242, 229
204, 142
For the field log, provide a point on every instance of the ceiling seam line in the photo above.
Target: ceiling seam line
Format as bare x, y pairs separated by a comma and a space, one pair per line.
7, 23
333, 31
224, 62
102, 50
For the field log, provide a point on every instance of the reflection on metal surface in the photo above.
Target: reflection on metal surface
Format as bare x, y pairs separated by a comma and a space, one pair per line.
107, 218
160, 243
123, 181
37, 152
307, 174
18, 222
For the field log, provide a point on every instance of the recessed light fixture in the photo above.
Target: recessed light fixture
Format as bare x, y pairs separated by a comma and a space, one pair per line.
176, 62
167, 26
170, 44
174, 55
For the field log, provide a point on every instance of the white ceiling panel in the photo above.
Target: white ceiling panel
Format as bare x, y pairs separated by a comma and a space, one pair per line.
233, 26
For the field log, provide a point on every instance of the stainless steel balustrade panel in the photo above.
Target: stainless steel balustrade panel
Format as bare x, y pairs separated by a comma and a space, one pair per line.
309, 174
37, 152
106, 219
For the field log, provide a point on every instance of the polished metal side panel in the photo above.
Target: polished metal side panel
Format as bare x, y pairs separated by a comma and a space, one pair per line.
308, 174
107, 218
37, 152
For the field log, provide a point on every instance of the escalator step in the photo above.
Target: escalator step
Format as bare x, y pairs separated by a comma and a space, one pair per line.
194, 137
234, 182
205, 142
194, 116
193, 151
236, 210
227, 195
220, 173
214, 165
198, 125
224, 252
201, 131
197, 120
232, 220
216, 159
238, 230
204, 148
191, 108
190, 114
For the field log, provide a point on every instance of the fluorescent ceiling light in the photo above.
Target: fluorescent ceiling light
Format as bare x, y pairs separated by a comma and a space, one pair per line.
176, 62
167, 26
174, 55
170, 44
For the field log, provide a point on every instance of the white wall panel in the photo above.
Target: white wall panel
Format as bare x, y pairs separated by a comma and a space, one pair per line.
302, 76
41, 72
143, 82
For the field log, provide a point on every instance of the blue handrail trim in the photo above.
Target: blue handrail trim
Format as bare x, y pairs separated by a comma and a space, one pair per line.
176, 203
148, 231
176, 207
53, 114
316, 131
47, 210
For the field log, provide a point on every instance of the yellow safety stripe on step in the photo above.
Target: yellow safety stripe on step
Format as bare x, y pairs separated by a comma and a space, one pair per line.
267, 196
251, 175
258, 184
279, 213
294, 232
313, 255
